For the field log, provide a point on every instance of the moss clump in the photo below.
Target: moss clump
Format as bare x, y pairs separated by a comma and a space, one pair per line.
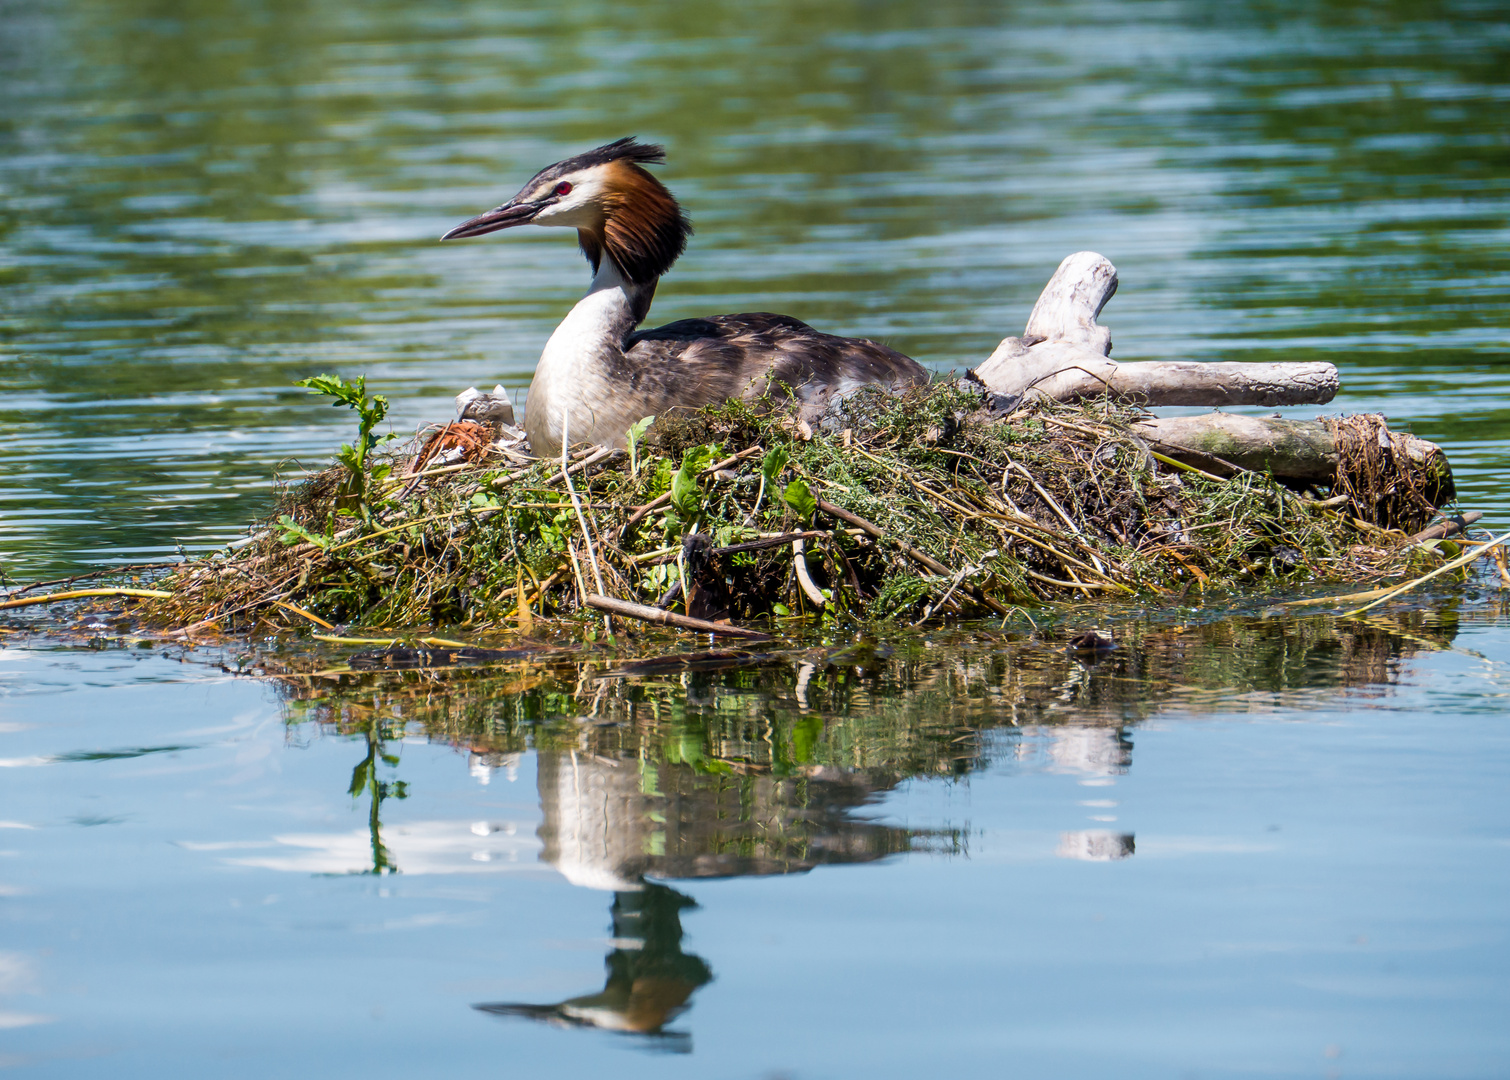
976, 514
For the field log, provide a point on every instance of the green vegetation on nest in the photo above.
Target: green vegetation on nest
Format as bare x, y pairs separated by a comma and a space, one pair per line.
979, 514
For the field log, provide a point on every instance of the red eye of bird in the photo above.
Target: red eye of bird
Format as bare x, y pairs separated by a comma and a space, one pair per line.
563, 188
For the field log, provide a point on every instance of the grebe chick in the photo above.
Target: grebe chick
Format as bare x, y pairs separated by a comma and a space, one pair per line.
597, 375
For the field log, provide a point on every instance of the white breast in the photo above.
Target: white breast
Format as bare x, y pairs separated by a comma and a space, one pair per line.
573, 389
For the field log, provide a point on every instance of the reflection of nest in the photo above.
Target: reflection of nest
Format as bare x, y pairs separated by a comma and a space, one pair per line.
1388, 486
870, 714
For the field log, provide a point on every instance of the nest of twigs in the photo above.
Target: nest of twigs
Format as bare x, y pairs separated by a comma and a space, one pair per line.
917, 507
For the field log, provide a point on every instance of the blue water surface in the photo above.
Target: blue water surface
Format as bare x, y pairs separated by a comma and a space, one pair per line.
1315, 887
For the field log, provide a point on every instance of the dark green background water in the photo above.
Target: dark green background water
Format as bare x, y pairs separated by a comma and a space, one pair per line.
201, 202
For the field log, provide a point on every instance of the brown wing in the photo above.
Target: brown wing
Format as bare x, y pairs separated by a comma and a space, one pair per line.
697, 361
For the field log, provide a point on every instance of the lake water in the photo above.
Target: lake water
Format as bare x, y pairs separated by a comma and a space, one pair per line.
1245, 844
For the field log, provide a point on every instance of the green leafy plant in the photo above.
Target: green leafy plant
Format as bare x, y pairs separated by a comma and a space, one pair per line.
554, 532
294, 533
771, 465
660, 479
686, 492
800, 498
370, 412
699, 459
770, 468
634, 435
686, 495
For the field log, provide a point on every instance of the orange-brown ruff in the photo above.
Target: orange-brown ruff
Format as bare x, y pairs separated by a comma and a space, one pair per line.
598, 375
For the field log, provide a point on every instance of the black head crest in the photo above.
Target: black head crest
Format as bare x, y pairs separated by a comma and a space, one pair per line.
625, 149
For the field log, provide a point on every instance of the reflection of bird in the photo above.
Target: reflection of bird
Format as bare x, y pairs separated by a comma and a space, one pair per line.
649, 977
597, 376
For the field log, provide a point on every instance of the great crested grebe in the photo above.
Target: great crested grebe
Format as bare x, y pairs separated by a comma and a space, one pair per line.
597, 375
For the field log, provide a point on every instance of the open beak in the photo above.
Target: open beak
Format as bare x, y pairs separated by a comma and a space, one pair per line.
504, 217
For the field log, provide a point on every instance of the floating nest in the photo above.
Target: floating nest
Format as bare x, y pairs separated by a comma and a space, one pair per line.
921, 507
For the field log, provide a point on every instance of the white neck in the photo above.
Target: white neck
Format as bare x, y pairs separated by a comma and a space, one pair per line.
582, 363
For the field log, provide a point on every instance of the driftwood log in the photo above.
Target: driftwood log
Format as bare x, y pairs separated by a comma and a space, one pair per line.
1063, 355
1223, 443
1386, 476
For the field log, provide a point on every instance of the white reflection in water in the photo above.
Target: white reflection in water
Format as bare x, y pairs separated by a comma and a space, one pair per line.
483, 766
1096, 755
17, 977
1095, 845
1077, 750
417, 847
593, 819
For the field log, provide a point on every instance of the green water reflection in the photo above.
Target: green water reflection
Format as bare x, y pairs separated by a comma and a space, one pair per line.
201, 202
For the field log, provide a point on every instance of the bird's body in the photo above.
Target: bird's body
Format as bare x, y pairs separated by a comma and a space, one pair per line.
598, 375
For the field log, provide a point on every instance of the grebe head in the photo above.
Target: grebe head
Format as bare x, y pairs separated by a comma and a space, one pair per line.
616, 206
